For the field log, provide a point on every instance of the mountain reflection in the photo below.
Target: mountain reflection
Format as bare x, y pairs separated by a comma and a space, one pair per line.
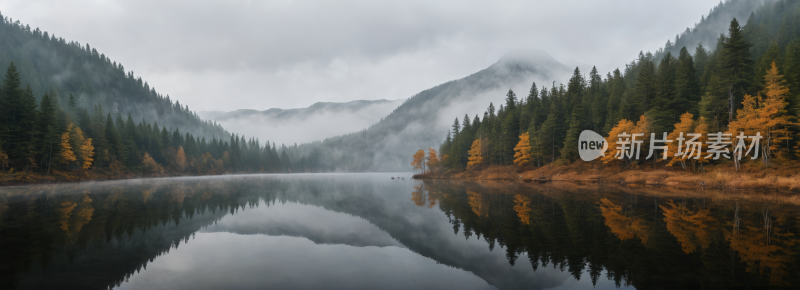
642, 240
510, 235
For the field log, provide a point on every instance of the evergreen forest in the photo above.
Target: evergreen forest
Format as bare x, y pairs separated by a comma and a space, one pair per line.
749, 82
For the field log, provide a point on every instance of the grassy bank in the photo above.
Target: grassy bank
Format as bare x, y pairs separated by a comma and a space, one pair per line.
752, 176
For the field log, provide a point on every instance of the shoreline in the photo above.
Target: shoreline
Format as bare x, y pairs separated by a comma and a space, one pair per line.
718, 178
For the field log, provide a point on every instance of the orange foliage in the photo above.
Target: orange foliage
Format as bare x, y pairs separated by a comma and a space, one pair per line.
765, 248
523, 150
521, 206
150, 165
624, 227
87, 152
66, 154
685, 126
433, 160
623, 126
475, 156
180, 160
479, 204
690, 229
419, 160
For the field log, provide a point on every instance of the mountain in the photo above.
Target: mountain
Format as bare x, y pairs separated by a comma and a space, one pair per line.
62, 68
421, 120
304, 124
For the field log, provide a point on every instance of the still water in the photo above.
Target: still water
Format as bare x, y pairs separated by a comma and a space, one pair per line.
367, 231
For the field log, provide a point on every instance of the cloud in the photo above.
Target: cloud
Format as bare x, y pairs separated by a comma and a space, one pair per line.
251, 54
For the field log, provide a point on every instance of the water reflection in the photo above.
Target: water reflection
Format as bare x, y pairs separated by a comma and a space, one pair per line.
361, 231
646, 239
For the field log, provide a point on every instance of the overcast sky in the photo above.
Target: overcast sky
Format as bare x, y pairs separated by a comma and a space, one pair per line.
235, 54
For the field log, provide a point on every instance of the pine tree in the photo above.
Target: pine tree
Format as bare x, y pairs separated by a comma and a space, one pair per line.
618, 86
687, 85
71, 102
737, 66
578, 123
510, 126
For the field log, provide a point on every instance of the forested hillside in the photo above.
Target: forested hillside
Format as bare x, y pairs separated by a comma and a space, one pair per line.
67, 69
422, 120
70, 113
419, 121
749, 84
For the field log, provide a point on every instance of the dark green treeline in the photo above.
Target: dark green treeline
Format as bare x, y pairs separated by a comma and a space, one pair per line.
31, 136
50, 64
661, 86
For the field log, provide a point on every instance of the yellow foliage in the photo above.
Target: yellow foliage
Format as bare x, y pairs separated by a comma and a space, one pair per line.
150, 165
766, 115
66, 154
765, 249
685, 126
623, 126
180, 160
419, 160
521, 206
475, 157
87, 152
624, 227
82, 216
418, 195
701, 128
479, 204
433, 160
690, 229
64, 213
523, 150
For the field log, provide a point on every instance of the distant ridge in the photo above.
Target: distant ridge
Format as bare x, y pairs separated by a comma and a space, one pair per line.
422, 120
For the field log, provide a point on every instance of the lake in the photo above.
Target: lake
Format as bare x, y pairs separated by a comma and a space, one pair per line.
368, 231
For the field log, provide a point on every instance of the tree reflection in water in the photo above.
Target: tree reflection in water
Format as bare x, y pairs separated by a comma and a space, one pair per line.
641, 240
53, 236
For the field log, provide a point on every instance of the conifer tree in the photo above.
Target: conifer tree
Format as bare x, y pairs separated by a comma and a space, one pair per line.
522, 156
737, 66
510, 126
687, 84
475, 154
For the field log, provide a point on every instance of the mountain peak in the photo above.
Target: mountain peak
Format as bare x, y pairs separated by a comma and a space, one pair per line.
530, 60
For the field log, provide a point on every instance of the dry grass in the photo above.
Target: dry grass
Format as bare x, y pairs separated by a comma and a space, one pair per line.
752, 176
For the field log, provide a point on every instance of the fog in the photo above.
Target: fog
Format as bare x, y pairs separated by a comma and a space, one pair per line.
317, 122
423, 120
290, 54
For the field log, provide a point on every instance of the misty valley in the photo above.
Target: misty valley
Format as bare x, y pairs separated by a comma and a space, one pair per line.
368, 231
400, 144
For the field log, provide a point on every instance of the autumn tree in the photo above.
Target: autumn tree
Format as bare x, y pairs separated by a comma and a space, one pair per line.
433, 160
180, 160
419, 160
682, 129
66, 153
522, 156
623, 127
475, 154
150, 166
766, 115
689, 228
87, 152
522, 207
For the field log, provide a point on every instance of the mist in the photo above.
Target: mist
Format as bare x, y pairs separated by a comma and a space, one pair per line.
317, 122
